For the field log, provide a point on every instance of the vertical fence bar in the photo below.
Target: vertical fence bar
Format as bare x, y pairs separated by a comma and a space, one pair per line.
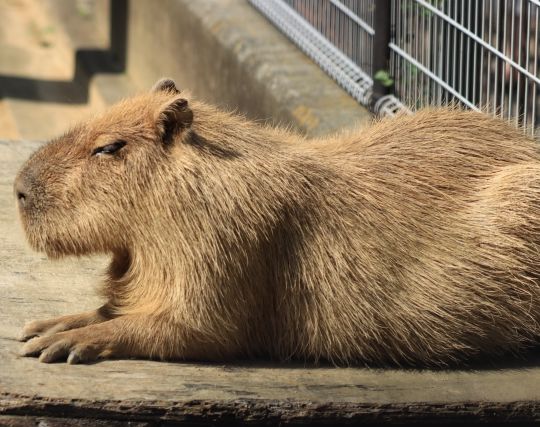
381, 49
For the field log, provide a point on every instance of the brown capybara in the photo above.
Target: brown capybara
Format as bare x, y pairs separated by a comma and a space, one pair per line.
415, 241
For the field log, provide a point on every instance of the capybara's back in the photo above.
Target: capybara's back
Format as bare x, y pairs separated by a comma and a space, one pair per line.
421, 243
413, 241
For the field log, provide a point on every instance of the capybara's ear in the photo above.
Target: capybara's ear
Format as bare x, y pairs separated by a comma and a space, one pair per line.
174, 117
165, 85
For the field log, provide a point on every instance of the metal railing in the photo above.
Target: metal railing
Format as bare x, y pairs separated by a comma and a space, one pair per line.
394, 55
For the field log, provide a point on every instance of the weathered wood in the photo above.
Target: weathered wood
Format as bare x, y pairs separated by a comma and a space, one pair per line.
238, 394
271, 412
30, 421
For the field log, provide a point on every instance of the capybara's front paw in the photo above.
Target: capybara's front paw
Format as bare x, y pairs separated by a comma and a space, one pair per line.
63, 323
35, 328
75, 346
38, 328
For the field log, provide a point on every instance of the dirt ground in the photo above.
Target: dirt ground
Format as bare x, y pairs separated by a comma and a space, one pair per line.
33, 45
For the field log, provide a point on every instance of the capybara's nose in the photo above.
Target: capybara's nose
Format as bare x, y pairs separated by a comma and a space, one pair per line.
21, 191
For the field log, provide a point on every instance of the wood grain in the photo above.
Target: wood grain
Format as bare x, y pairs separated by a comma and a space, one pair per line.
33, 287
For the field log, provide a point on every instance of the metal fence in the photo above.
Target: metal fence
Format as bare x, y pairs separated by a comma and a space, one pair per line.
394, 55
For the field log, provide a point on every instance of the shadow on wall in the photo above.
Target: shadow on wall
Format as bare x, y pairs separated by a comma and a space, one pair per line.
87, 63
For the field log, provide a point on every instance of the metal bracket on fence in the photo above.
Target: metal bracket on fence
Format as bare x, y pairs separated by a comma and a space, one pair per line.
353, 79
389, 105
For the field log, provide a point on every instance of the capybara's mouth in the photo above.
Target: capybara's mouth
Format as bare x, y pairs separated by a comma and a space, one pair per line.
39, 240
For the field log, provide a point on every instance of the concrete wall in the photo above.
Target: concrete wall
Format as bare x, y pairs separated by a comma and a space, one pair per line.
86, 22
222, 51
226, 53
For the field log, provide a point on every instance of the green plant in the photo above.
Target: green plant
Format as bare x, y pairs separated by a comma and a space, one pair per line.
384, 78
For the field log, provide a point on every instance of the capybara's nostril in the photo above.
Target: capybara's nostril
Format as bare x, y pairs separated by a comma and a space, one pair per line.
22, 197
21, 192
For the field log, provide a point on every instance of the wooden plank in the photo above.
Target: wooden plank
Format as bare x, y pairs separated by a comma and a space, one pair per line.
244, 393
271, 412
30, 421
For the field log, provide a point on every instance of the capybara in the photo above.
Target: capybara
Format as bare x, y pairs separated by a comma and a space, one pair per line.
414, 241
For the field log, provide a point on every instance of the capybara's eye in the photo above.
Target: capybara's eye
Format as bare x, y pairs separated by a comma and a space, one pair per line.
109, 148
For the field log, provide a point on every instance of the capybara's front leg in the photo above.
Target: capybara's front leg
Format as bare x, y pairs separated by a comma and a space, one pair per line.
121, 337
64, 323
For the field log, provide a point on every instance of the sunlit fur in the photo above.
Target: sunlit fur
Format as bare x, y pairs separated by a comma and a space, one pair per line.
413, 241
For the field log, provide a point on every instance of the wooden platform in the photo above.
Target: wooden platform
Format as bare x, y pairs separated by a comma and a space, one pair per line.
154, 393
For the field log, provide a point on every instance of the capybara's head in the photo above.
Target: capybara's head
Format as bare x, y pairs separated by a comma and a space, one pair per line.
79, 193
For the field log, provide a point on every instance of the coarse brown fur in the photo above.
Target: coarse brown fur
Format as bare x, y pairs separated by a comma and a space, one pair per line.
414, 241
